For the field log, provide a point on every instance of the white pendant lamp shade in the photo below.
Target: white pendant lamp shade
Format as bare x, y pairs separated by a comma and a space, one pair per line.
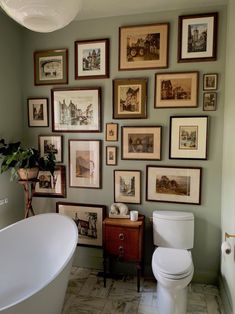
42, 15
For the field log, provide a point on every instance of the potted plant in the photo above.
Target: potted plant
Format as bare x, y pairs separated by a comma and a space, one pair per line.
24, 163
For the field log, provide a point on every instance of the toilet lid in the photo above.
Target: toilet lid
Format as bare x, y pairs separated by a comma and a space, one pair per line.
173, 262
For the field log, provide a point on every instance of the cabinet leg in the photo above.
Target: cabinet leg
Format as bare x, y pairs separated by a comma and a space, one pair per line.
104, 275
138, 268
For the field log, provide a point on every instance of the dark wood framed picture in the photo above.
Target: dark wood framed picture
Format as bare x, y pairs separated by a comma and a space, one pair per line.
111, 134
85, 162
209, 101
51, 67
173, 184
130, 98
176, 90
141, 142
92, 59
210, 81
38, 112
76, 109
143, 46
127, 186
188, 137
89, 220
111, 155
54, 143
197, 37
51, 186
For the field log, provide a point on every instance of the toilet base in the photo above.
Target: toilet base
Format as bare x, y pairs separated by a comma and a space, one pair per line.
171, 301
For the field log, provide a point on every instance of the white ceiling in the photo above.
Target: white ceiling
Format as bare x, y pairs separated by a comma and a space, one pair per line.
91, 9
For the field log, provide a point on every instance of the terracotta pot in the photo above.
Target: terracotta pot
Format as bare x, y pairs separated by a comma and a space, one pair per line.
28, 173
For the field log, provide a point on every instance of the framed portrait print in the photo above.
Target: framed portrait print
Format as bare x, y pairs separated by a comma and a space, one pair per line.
51, 186
210, 81
127, 186
76, 109
52, 143
173, 184
197, 37
38, 112
176, 90
51, 67
85, 163
130, 98
209, 101
92, 59
88, 218
111, 155
111, 132
143, 143
143, 47
188, 137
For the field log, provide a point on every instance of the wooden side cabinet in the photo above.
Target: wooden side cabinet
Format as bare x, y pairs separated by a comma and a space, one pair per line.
123, 240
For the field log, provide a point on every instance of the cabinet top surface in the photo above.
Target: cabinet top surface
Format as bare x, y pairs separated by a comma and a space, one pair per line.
124, 221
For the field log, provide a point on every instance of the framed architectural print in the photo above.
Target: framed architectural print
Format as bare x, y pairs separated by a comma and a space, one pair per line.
38, 112
188, 137
130, 98
88, 218
127, 186
176, 90
51, 67
141, 142
197, 37
111, 132
85, 163
76, 109
111, 155
92, 59
173, 184
52, 143
51, 186
210, 81
143, 47
209, 101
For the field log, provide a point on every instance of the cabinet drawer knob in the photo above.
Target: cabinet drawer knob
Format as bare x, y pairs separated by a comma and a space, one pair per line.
121, 236
121, 251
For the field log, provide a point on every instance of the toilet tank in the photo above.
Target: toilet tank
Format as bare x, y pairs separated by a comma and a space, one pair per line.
173, 229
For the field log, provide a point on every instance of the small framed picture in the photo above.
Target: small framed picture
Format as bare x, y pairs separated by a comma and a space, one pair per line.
38, 112
176, 90
143, 143
188, 137
173, 184
89, 220
197, 37
143, 47
127, 186
111, 155
209, 101
92, 59
85, 163
210, 81
51, 67
54, 143
49, 185
130, 98
111, 132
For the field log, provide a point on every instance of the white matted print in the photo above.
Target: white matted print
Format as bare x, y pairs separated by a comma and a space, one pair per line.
48, 143
38, 112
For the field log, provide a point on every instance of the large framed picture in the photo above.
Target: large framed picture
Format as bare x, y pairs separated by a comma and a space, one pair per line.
85, 163
92, 59
49, 185
197, 37
176, 90
188, 137
38, 112
210, 81
143, 47
127, 186
130, 98
173, 184
141, 142
111, 134
76, 109
54, 143
51, 67
89, 220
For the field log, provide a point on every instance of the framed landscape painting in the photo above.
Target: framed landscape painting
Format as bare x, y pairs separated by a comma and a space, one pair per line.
38, 112
173, 184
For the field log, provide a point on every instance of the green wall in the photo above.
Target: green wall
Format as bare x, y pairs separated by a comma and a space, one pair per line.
207, 216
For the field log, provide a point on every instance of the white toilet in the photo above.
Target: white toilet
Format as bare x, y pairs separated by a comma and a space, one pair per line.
172, 265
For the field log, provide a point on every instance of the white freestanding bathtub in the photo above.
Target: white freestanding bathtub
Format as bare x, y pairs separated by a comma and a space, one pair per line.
35, 261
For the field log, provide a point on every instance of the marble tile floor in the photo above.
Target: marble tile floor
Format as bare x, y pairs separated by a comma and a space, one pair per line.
87, 295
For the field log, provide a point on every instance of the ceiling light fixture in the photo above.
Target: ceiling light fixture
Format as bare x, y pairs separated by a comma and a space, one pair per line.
42, 15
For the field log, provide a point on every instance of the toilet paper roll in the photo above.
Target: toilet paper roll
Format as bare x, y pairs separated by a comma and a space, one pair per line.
226, 248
